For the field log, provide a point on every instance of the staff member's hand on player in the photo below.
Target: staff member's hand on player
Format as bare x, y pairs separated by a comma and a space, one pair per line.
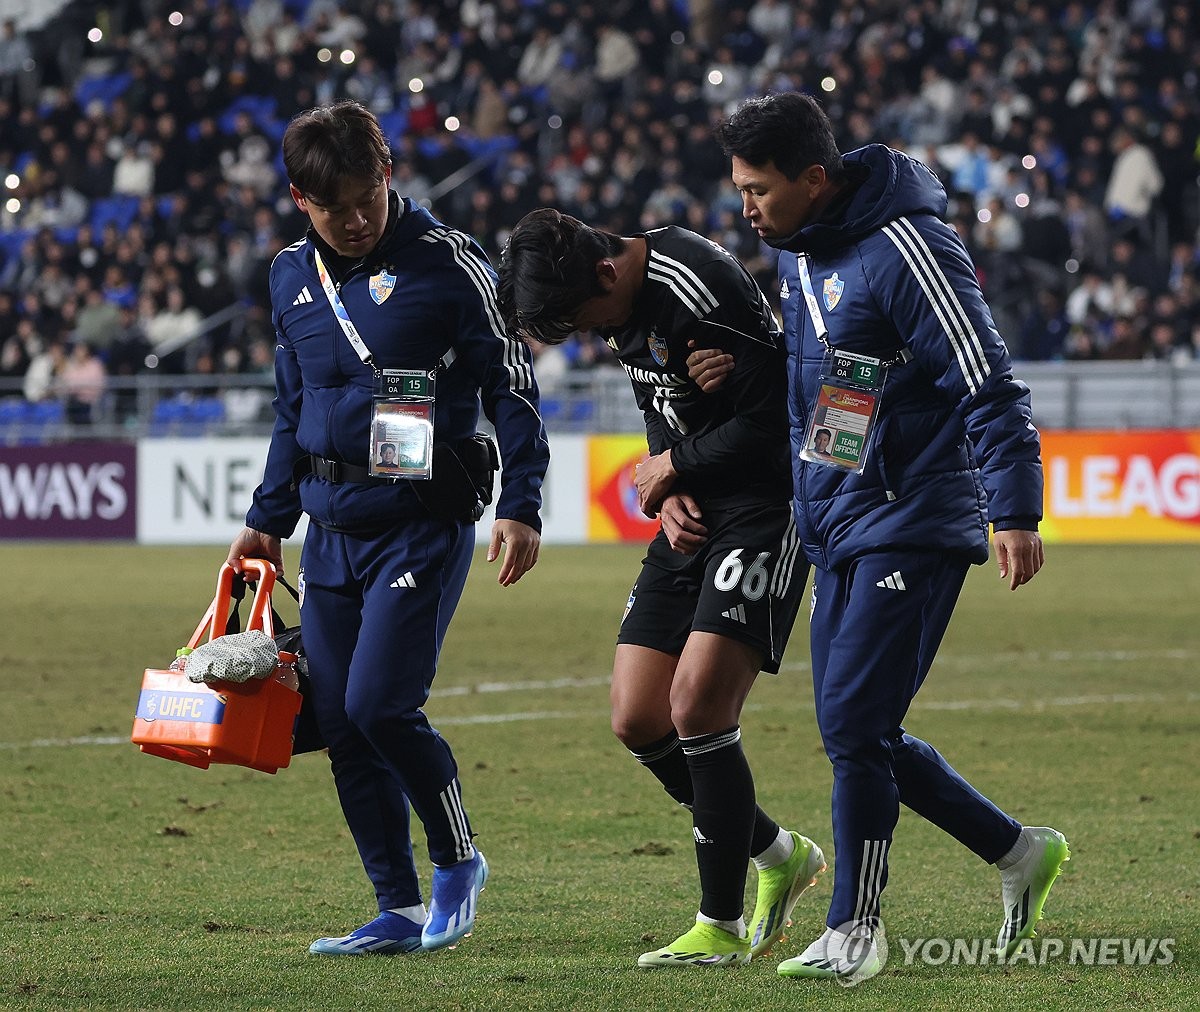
680, 516
654, 477
708, 367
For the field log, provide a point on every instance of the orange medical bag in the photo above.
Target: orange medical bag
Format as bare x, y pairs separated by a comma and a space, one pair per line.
242, 724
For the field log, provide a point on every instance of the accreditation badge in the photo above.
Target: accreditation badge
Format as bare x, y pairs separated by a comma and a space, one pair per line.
840, 425
402, 424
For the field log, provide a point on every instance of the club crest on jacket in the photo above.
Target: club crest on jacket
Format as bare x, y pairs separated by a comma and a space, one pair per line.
382, 285
832, 291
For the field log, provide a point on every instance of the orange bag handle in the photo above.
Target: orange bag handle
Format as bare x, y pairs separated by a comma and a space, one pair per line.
217, 616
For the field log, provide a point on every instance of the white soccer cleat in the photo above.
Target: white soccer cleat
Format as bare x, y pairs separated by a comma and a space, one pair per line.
847, 957
1027, 883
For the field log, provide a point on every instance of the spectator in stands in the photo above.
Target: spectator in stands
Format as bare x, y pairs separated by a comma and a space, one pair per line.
1138, 265
617, 61
1043, 332
98, 322
540, 59
133, 174
45, 366
1092, 298
926, 75
970, 164
1086, 227
174, 321
1180, 195
15, 356
1126, 341
81, 381
1133, 186
16, 63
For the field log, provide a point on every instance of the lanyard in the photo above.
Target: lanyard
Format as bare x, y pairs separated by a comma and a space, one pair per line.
810, 300
339, 310
348, 328
903, 355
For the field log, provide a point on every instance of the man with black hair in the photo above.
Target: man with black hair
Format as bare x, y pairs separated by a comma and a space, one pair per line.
386, 320
887, 330
721, 583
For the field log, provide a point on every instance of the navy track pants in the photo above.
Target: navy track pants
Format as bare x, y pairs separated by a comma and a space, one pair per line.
876, 626
374, 613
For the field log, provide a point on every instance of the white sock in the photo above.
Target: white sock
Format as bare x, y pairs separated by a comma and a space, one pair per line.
780, 850
736, 928
415, 914
1015, 853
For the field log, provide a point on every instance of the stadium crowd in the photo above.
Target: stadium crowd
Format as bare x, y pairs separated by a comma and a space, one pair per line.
145, 193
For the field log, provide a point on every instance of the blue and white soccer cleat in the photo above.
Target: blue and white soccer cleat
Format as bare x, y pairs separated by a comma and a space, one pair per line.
387, 935
456, 892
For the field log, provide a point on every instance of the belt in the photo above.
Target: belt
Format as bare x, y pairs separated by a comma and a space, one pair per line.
339, 472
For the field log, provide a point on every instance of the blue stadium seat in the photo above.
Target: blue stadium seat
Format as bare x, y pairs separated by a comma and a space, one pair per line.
488, 148
12, 410
394, 124
22, 422
184, 415
12, 413
551, 408
103, 88
168, 416
45, 413
574, 413
206, 413
582, 412
260, 108
11, 242
431, 147
119, 210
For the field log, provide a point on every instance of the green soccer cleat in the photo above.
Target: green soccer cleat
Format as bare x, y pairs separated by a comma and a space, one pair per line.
704, 945
779, 889
1027, 883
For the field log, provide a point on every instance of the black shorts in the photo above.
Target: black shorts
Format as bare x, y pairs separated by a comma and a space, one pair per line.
745, 583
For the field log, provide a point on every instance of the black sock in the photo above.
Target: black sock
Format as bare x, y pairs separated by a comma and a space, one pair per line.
665, 759
723, 816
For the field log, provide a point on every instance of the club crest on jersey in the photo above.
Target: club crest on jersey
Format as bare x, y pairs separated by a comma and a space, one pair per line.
832, 291
382, 285
658, 348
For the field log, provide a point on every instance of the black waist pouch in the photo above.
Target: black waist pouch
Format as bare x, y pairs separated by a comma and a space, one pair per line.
464, 476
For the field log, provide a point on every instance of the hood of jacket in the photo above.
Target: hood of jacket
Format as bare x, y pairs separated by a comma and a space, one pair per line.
888, 184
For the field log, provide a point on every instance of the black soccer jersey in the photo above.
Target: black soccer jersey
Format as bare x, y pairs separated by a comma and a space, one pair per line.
730, 447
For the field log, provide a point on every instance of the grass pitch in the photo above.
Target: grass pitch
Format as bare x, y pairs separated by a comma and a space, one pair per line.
128, 882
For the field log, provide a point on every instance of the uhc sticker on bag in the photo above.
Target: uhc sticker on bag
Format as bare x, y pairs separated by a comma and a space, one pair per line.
192, 707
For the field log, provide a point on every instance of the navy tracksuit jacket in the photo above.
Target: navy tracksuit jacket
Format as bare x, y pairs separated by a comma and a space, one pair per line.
380, 578
954, 448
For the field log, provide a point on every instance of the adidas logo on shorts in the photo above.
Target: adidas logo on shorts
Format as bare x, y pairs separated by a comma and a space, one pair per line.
736, 614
